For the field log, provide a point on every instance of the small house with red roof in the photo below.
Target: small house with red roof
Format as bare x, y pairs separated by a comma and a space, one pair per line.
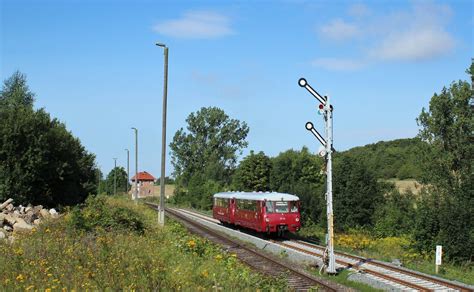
145, 181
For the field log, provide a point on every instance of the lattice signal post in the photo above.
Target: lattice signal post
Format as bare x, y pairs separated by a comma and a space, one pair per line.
325, 150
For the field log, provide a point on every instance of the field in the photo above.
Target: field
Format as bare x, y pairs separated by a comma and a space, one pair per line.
406, 185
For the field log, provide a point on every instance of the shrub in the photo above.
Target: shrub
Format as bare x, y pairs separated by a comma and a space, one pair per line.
99, 212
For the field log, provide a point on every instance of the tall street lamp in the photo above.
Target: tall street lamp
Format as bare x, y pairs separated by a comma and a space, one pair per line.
161, 211
135, 191
115, 176
128, 171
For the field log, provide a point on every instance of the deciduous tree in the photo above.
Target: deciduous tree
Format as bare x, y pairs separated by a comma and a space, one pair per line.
253, 173
40, 161
446, 209
120, 175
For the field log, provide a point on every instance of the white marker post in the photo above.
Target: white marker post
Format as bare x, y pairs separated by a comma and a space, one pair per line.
327, 143
439, 255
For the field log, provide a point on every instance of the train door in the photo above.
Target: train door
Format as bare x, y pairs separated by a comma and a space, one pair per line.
232, 210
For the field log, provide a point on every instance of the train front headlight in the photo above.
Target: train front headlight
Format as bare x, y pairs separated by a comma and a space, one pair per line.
267, 220
297, 219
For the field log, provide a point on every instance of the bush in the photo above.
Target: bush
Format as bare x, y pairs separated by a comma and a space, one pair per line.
99, 213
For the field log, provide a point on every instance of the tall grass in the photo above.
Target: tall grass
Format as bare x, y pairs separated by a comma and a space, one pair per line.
66, 255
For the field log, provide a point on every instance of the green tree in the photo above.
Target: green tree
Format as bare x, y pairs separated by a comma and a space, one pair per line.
396, 215
210, 145
253, 173
446, 209
40, 161
16, 93
121, 177
206, 153
357, 193
301, 173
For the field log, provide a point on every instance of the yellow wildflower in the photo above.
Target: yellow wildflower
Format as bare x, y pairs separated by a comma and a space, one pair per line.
20, 278
191, 243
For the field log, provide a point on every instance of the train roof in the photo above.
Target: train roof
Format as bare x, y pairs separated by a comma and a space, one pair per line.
257, 196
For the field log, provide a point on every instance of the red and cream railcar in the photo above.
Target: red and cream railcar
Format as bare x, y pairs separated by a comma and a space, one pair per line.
260, 211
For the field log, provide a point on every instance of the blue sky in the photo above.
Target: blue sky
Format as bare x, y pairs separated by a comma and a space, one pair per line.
94, 66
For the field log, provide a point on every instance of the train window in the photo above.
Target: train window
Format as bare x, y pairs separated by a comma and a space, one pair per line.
221, 202
269, 206
294, 206
247, 205
281, 207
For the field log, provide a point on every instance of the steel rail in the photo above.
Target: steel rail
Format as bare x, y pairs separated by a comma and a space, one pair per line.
368, 271
392, 268
298, 280
367, 261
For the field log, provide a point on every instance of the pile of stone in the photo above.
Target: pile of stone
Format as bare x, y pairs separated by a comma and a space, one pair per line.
21, 218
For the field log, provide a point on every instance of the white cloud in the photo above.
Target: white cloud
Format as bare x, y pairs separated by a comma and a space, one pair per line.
419, 34
359, 10
414, 34
196, 25
338, 64
414, 45
339, 30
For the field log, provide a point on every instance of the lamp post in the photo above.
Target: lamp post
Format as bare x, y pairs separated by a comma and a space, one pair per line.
161, 211
135, 191
128, 171
115, 176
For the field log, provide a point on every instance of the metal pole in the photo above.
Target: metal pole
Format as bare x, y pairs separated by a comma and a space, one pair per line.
135, 191
115, 176
161, 211
330, 244
128, 171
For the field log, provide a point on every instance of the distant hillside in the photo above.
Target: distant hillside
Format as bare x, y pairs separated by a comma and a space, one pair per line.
390, 159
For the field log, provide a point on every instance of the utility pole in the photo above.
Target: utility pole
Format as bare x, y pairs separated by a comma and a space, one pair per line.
128, 171
135, 191
325, 150
115, 176
161, 211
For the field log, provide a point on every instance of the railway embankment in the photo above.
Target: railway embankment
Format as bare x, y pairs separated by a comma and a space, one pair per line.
112, 244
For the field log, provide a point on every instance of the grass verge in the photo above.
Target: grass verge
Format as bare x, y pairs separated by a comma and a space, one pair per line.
121, 249
387, 249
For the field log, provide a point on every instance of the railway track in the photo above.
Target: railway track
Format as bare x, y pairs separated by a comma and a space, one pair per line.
297, 279
399, 278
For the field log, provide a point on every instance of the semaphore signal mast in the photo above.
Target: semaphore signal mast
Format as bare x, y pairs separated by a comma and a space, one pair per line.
325, 150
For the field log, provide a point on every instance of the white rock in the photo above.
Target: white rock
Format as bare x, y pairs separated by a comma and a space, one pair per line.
27, 209
44, 213
7, 228
54, 213
9, 219
21, 225
37, 222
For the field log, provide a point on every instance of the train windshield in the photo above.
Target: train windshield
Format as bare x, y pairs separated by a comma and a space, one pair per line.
281, 206
294, 206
